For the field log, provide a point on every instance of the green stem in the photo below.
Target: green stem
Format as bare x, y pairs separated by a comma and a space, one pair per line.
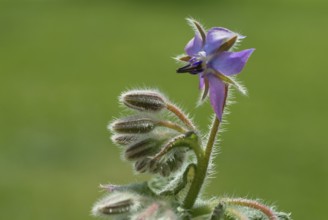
211, 139
203, 159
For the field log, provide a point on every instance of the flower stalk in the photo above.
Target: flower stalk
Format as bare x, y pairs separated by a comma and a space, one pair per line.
203, 160
178, 112
172, 125
252, 204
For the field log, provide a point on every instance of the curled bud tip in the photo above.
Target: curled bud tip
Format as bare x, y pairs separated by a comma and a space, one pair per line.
143, 100
133, 125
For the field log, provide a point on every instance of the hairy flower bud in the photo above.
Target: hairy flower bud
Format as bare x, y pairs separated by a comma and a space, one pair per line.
141, 165
143, 148
133, 124
116, 203
177, 160
124, 139
154, 166
163, 167
143, 100
164, 170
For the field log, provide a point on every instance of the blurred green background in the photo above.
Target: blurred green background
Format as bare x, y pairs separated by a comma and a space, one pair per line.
63, 64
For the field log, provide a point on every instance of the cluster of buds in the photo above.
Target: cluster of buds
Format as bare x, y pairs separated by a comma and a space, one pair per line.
156, 138
153, 143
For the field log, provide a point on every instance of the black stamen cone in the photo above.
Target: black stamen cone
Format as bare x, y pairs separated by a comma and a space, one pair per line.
184, 69
192, 69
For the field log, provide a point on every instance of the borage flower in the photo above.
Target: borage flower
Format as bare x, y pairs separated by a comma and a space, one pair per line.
209, 56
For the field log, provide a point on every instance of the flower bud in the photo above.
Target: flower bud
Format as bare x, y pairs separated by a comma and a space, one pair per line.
141, 165
154, 166
164, 170
177, 160
124, 140
116, 203
141, 149
143, 100
133, 124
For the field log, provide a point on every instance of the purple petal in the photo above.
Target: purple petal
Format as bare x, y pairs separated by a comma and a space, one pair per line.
216, 37
218, 94
201, 81
194, 45
231, 63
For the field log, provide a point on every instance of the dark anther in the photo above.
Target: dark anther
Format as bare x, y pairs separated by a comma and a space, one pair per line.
193, 68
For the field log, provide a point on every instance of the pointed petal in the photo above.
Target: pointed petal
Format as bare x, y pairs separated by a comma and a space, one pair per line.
201, 81
194, 45
218, 94
216, 37
231, 63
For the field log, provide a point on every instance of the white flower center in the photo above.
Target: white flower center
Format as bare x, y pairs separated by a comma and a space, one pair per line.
201, 56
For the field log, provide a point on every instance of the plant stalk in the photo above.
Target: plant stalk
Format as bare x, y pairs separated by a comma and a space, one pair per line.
203, 159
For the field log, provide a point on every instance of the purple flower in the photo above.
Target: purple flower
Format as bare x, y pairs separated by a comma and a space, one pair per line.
209, 56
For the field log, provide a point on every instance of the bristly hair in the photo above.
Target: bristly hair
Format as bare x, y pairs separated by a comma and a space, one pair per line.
238, 85
197, 27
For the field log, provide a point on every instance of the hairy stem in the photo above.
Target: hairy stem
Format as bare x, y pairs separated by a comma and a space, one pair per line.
172, 125
203, 159
211, 139
178, 112
236, 214
253, 204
